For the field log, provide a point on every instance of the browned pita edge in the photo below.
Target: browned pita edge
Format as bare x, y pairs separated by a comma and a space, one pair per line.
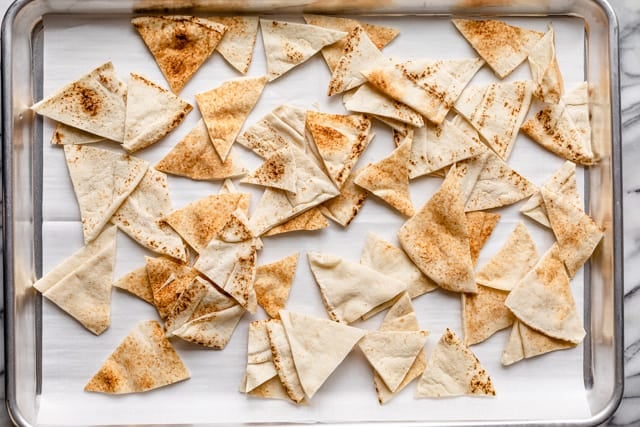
344, 208
168, 279
525, 343
273, 284
64, 134
237, 44
136, 282
283, 360
484, 314
310, 220
272, 389
143, 361
436, 238
481, 225
179, 44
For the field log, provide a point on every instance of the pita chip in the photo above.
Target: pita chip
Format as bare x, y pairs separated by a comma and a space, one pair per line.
344, 208
102, 180
543, 300
389, 179
525, 343
545, 70
140, 215
340, 141
238, 41
509, 265
350, 290
260, 366
271, 389
513, 351
194, 157
94, 103
179, 44
143, 361
152, 112
67, 135
484, 314
277, 171
225, 108
81, 285
481, 225
366, 99
273, 284
310, 220
437, 238
453, 370
577, 233
497, 111
168, 279
563, 182
136, 282
503, 46
283, 361
318, 346
288, 44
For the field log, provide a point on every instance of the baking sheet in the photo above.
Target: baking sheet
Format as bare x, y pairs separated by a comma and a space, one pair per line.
548, 387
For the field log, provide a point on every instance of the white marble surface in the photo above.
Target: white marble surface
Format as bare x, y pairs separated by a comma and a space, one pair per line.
628, 12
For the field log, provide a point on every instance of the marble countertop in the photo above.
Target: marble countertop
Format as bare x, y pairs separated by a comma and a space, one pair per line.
628, 12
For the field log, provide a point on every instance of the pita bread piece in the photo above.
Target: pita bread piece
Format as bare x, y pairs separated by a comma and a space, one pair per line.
277, 171
348, 289
225, 108
577, 233
310, 220
318, 346
194, 157
484, 314
453, 370
81, 285
271, 389
94, 103
102, 180
283, 360
288, 44
525, 342
545, 70
238, 41
273, 284
503, 46
481, 225
137, 283
344, 208
260, 367
367, 99
143, 361
66, 135
140, 215
179, 44
168, 279
543, 300
437, 238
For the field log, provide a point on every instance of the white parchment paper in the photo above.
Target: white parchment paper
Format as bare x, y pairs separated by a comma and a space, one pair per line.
547, 387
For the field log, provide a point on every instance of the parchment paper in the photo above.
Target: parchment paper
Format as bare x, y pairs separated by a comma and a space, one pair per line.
547, 387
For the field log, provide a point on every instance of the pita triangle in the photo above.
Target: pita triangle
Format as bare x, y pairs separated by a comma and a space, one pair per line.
545, 70
66, 135
94, 103
543, 300
367, 99
389, 179
453, 370
277, 171
525, 342
509, 265
577, 233
496, 111
81, 285
236, 229
143, 361
273, 284
137, 283
271, 389
260, 366
513, 351
102, 180
344, 208
503, 46
437, 238
225, 108
310, 220
238, 41
179, 44
349, 290
484, 314
168, 279
283, 360
318, 346
481, 225
340, 141
288, 44
563, 182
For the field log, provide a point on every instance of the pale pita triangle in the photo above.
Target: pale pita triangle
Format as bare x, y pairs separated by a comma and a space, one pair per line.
318, 346
66, 135
283, 360
481, 225
545, 70
273, 284
525, 342
260, 367
238, 41
288, 44
179, 44
225, 108
167, 279
137, 283
367, 99
81, 285
513, 351
344, 208
277, 171
102, 180
484, 314
310, 220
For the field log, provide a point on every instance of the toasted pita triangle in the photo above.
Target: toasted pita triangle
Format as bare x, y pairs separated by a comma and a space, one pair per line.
277, 171
143, 361
543, 300
525, 342
81, 285
503, 46
344, 208
273, 284
545, 70
140, 215
481, 225
179, 44
340, 141
271, 389
94, 103
194, 157
318, 346
102, 180
260, 367
563, 182
310, 220
389, 179
288, 44
225, 108
236, 229
283, 360
168, 279
437, 238
350, 290
152, 112
66, 135
484, 314
137, 283
513, 351
577, 233
509, 265
497, 111
366, 99
238, 41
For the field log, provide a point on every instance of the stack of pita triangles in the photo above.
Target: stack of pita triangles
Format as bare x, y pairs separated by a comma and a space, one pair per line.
260, 365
